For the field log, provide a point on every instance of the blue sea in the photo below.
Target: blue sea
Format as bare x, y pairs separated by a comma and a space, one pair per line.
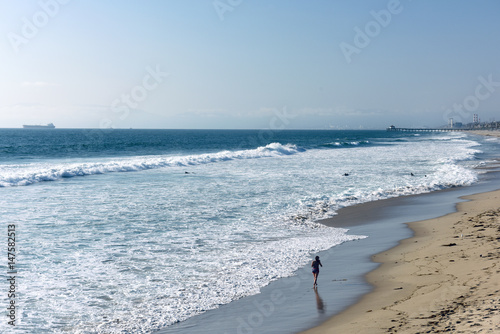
130, 231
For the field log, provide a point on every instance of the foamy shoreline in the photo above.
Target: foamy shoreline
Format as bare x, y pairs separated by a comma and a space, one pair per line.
444, 278
342, 279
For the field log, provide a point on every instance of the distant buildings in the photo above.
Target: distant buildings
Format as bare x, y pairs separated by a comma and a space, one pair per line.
476, 124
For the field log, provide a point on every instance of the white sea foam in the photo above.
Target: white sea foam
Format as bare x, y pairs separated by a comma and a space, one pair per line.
144, 250
22, 175
134, 277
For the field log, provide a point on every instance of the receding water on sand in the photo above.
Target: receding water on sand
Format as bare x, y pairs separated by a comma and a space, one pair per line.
148, 228
291, 305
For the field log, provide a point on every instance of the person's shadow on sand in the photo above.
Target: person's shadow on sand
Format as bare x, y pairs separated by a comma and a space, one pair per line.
319, 302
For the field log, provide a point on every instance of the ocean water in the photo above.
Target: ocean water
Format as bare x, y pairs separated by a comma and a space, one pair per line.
129, 231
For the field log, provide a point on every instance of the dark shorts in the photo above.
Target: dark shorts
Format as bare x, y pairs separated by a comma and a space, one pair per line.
315, 271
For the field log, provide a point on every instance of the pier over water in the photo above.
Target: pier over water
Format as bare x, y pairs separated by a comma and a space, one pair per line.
393, 128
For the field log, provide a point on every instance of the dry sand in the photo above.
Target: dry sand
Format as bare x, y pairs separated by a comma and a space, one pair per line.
493, 133
444, 279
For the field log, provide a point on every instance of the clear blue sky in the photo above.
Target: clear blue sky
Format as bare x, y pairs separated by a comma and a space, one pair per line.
248, 63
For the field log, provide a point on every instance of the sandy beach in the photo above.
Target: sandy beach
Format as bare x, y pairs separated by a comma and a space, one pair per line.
492, 133
443, 279
420, 287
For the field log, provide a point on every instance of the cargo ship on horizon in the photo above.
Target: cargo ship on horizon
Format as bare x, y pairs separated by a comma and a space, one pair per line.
48, 126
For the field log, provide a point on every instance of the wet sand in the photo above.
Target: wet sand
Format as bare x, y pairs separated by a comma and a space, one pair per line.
290, 305
443, 279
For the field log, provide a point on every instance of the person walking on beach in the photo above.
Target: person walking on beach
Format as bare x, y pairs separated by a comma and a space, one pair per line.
315, 265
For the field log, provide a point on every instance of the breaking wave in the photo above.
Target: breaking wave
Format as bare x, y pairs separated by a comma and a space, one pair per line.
23, 175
